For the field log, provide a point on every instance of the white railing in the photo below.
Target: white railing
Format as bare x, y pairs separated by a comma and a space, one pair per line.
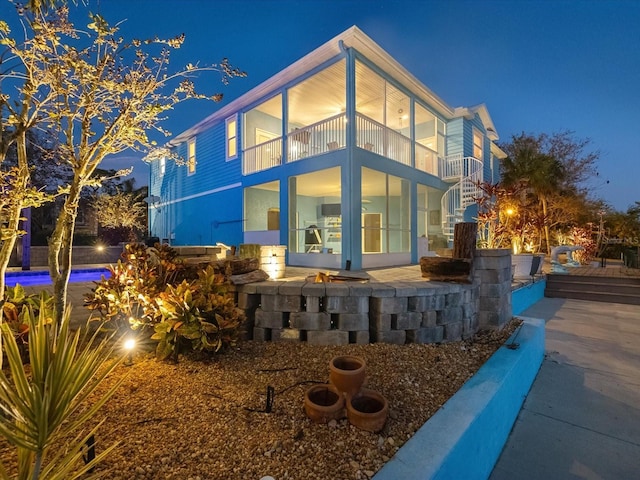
426, 159
263, 156
321, 137
468, 173
377, 138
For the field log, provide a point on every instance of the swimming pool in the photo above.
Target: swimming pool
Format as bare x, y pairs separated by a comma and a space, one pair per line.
41, 277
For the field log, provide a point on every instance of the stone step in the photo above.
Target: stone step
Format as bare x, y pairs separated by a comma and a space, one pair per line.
599, 289
628, 299
589, 279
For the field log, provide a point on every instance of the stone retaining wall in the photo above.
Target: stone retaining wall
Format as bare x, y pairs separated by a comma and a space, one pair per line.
398, 312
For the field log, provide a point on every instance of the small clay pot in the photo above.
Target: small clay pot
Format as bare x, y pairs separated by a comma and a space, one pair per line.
368, 410
323, 403
347, 373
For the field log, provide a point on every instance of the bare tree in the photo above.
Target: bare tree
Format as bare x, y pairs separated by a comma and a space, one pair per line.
103, 96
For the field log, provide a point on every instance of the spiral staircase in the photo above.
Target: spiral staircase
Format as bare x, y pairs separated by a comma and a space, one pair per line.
466, 172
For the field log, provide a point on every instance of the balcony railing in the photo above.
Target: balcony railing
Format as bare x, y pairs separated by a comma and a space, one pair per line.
377, 138
321, 137
457, 167
426, 159
330, 134
263, 156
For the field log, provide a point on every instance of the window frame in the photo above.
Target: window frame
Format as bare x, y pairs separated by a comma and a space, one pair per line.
233, 119
191, 159
477, 133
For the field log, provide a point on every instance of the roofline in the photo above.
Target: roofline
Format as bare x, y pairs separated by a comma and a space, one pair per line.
354, 38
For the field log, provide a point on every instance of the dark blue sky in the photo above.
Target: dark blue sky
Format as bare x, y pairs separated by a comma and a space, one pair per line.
539, 66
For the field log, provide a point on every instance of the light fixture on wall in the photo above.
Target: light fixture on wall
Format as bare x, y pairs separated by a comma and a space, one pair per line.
154, 201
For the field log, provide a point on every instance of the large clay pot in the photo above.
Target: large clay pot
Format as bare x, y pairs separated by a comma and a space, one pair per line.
323, 403
368, 410
347, 373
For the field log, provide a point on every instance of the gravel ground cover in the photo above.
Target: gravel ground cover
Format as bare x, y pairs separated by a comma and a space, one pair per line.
204, 418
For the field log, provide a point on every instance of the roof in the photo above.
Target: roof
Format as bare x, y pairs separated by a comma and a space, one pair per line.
358, 40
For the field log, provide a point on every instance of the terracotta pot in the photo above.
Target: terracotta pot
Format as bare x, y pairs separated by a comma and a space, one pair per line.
323, 403
368, 410
347, 373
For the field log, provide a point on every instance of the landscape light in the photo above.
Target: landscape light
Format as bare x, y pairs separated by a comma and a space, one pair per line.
129, 346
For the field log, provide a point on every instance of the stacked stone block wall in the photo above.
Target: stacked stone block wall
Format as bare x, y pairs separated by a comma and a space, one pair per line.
492, 272
342, 313
398, 312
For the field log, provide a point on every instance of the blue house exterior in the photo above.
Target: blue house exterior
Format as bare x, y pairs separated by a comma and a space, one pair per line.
344, 156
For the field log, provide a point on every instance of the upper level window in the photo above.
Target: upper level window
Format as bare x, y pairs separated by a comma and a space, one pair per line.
232, 137
162, 166
191, 157
478, 141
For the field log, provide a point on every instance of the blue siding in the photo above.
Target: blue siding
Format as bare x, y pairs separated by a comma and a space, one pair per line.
209, 219
455, 137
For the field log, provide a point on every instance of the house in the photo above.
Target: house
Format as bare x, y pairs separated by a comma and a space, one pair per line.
344, 157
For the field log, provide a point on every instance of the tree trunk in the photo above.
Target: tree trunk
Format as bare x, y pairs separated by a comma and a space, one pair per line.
543, 200
15, 206
13, 212
60, 245
464, 240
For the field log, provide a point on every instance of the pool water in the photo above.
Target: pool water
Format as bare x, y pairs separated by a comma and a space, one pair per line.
41, 277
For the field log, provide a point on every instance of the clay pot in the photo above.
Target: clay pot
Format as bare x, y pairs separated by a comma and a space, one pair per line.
323, 403
347, 373
368, 410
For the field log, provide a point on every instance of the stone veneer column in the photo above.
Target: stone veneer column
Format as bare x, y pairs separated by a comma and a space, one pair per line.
492, 271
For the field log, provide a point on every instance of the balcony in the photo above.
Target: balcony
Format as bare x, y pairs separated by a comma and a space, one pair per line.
330, 134
263, 156
321, 137
377, 138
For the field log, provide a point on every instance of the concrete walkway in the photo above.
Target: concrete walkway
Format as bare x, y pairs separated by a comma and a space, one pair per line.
581, 419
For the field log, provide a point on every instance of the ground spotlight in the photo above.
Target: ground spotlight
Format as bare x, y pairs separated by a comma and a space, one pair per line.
129, 346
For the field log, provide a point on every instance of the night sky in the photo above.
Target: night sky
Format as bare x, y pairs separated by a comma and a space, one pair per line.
539, 66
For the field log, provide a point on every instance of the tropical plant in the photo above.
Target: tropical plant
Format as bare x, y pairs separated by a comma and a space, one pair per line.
152, 288
553, 169
585, 238
198, 312
127, 296
45, 405
17, 307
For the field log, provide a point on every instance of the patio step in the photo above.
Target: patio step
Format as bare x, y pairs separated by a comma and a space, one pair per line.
597, 289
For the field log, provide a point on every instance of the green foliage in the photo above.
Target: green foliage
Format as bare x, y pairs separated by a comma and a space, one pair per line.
46, 404
17, 308
199, 312
152, 288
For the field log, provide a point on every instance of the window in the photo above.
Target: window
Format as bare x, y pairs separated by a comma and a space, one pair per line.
162, 166
315, 216
386, 213
191, 157
478, 140
232, 137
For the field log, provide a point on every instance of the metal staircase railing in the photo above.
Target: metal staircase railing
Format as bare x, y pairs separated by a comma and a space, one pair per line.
467, 173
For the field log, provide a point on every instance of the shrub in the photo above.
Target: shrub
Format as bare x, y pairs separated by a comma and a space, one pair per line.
16, 308
584, 238
45, 405
151, 288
